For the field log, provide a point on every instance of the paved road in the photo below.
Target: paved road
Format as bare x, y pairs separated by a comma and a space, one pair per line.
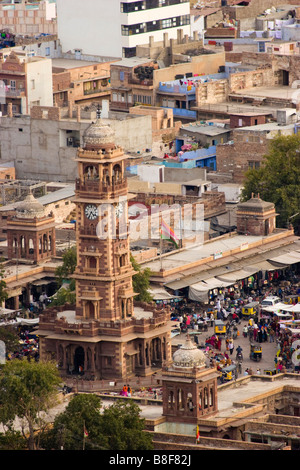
268, 349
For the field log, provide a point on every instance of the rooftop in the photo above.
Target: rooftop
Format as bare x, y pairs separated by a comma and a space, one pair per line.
227, 254
132, 61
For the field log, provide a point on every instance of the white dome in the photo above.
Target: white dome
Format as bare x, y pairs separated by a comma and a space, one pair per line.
30, 208
188, 355
99, 133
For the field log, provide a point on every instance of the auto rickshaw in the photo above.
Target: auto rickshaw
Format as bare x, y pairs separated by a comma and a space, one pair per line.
270, 371
220, 327
291, 299
227, 373
255, 352
250, 310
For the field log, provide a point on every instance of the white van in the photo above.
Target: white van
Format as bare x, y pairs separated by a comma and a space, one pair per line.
270, 301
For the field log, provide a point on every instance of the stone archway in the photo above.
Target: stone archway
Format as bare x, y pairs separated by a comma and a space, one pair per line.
79, 360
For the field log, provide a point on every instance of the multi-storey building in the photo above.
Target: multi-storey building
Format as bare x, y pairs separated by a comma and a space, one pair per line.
24, 82
116, 27
78, 83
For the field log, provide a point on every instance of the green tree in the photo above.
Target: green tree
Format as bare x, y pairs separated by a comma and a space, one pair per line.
12, 440
27, 390
63, 274
141, 281
278, 179
10, 339
3, 293
83, 426
64, 296
83, 413
123, 428
68, 266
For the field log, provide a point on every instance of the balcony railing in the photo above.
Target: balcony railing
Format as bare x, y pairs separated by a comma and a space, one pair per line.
93, 91
185, 113
177, 88
136, 81
97, 186
14, 92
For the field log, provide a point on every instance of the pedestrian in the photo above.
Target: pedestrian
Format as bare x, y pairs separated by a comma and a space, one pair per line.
231, 346
245, 331
255, 331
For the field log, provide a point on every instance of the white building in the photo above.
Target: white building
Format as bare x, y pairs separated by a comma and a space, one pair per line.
113, 28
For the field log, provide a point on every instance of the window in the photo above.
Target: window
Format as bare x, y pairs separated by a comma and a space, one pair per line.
167, 23
47, 51
253, 165
12, 84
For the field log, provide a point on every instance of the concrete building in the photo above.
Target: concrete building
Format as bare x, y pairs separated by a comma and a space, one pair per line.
164, 129
25, 82
29, 18
153, 76
43, 145
247, 148
115, 28
80, 82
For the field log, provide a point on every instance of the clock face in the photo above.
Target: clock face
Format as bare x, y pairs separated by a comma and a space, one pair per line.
91, 212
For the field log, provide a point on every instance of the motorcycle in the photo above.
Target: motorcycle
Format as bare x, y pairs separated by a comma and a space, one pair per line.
239, 356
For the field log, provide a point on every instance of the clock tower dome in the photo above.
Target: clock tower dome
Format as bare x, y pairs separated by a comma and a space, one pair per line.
106, 335
104, 271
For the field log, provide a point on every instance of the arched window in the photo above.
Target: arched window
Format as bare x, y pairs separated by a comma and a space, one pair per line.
90, 310
15, 246
105, 178
45, 243
117, 173
171, 400
92, 262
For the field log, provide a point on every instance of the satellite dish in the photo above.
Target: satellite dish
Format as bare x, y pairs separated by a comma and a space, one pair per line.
295, 344
296, 353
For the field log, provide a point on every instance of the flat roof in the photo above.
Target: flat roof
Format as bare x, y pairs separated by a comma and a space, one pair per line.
224, 251
132, 61
267, 127
71, 63
205, 129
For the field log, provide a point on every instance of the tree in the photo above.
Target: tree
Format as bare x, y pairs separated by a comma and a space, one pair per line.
64, 296
3, 293
10, 339
64, 271
123, 428
27, 390
141, 281
278, 179
83, 426
82, 415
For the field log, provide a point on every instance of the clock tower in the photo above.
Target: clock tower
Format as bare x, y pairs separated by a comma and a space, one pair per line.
106, 335
104, 271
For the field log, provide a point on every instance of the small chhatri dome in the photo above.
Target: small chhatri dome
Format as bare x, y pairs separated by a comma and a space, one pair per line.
99, 134
255, 204
188, 355
30, 208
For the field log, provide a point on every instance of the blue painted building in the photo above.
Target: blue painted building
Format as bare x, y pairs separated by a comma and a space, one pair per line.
180, 94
